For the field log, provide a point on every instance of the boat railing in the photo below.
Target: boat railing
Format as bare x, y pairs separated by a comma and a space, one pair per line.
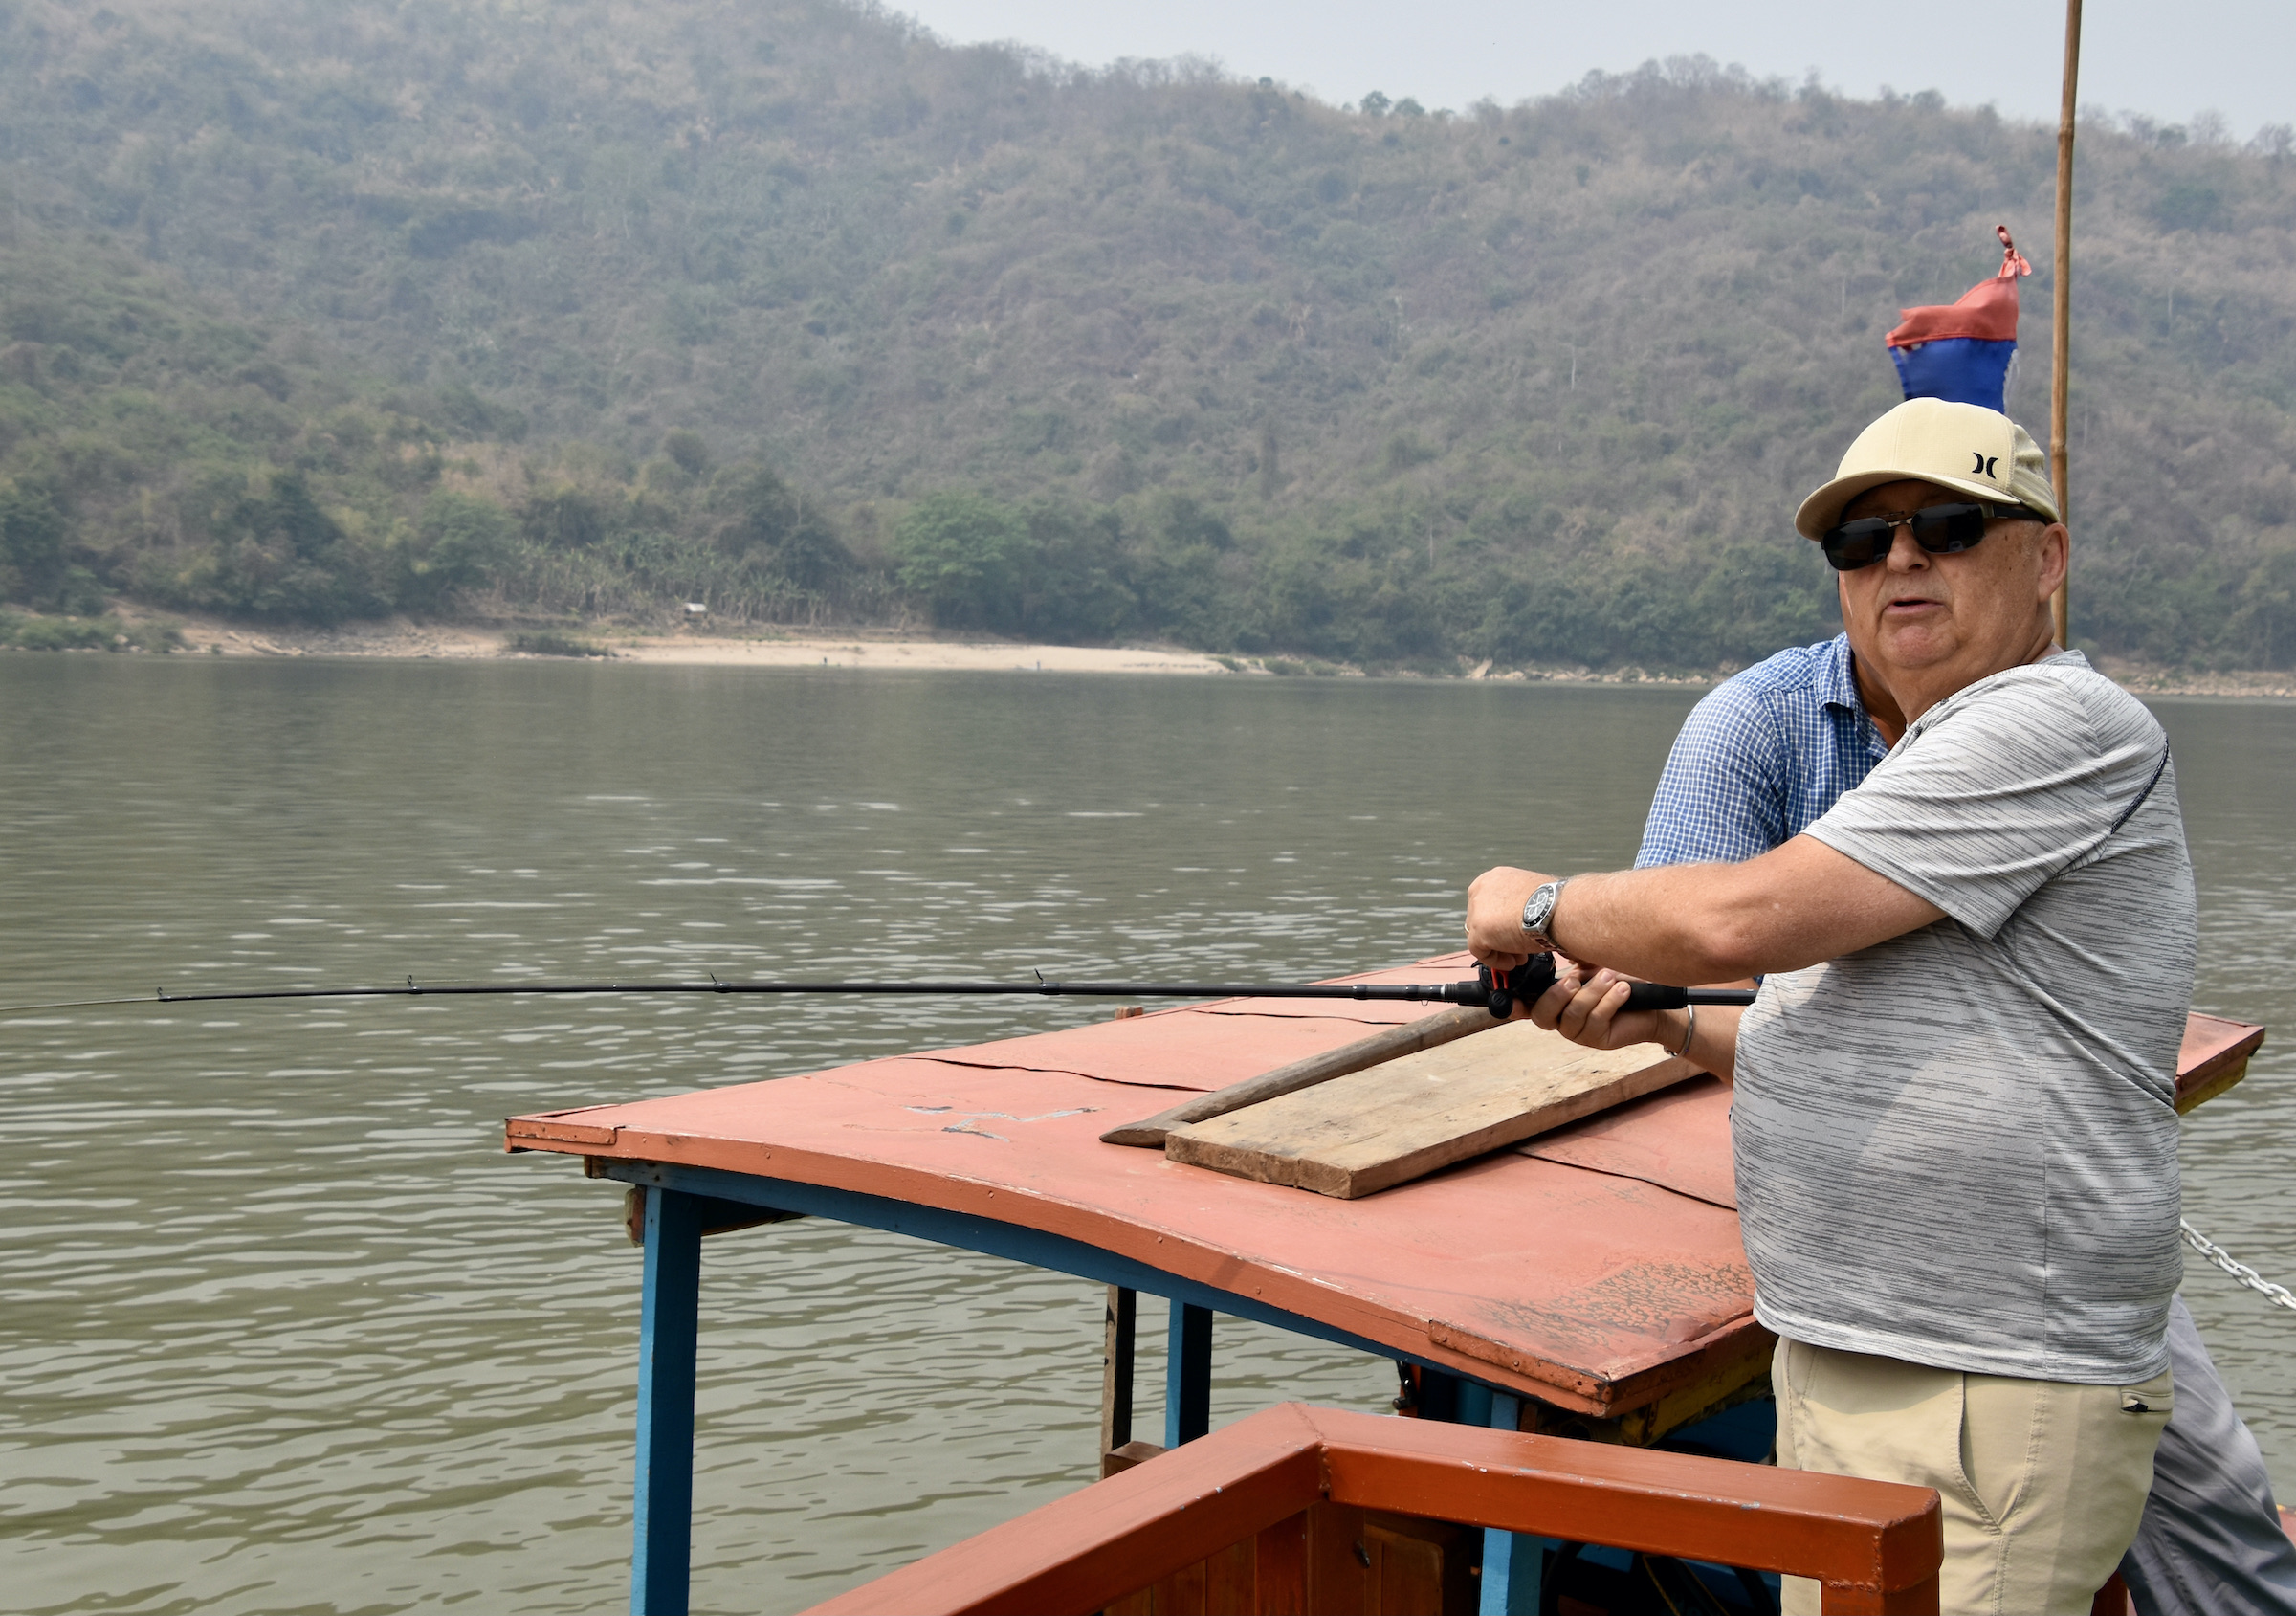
1244, 1497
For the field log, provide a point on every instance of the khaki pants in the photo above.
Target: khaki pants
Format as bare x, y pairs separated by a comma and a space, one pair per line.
2041, 1482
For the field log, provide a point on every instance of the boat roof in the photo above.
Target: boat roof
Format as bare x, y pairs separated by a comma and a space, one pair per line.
1598, 1267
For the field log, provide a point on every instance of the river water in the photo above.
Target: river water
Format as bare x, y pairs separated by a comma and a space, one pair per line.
281, 1329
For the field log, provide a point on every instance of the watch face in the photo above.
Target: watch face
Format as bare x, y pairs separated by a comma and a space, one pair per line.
1536, 912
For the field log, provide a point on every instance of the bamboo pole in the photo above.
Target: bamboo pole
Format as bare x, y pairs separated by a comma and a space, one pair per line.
2060, 340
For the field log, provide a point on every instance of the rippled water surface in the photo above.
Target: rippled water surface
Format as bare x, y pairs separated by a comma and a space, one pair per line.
281, 1329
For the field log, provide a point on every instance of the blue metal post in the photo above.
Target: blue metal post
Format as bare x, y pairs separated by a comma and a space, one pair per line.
1187, 1374
669, 1329
1513, 1564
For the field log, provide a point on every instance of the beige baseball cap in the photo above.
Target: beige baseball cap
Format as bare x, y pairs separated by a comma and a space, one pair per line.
1964, 447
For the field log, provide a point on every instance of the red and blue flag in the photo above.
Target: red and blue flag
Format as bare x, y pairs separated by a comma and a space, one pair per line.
1961, 352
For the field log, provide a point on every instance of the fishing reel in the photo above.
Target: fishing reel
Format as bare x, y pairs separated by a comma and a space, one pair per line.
1501, 989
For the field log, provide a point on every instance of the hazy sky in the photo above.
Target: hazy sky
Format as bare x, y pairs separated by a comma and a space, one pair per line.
2169, 62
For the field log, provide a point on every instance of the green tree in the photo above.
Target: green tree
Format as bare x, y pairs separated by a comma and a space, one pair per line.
963, 555
1759, 595
564, 519
2266, 619
1075, 584
776, 529
275, 553
687, 450
459, 544
1186, 576
32, 533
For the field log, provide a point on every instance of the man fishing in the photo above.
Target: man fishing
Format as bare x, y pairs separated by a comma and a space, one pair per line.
1759, 760
1953, 1124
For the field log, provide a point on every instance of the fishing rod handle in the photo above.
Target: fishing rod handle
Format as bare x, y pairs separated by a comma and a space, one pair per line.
1501, 990
1657, 996
1654, 996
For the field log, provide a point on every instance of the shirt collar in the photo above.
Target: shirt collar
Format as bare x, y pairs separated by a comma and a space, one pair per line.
1836, 682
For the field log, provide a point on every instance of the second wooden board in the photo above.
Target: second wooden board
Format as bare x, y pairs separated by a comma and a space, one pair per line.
1407, 1118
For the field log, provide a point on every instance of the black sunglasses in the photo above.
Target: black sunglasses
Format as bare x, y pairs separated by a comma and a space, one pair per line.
1940, 530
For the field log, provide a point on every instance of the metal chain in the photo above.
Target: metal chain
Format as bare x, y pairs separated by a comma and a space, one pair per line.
2279, 1295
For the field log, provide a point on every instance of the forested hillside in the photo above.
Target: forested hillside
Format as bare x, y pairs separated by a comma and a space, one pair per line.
338, 307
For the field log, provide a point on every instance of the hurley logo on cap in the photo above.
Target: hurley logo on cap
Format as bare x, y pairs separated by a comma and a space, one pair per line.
1984, 466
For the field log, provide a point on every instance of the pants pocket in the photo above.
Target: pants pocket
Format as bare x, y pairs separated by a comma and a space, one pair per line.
2155, 1396
1997, 1436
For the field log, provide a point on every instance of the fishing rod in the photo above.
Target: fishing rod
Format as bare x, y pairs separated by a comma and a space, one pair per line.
1495, 991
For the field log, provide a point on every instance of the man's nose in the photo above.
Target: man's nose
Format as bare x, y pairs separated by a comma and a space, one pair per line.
1905, 555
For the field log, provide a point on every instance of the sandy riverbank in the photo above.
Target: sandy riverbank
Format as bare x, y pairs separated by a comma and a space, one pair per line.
982, 656
404, 639
424, 641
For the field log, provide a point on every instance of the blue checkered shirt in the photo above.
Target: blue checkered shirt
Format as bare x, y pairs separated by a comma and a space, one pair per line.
1765, 753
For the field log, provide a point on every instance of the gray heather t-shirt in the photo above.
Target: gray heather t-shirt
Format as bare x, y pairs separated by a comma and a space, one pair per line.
1959, 1148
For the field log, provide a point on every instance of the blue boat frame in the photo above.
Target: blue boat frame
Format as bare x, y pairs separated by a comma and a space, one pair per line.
678, 1207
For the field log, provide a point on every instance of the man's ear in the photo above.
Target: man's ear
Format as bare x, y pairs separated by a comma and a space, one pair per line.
2054, 550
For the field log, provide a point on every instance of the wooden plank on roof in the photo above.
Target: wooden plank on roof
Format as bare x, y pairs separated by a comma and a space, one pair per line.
1386, 1045
1371, 1130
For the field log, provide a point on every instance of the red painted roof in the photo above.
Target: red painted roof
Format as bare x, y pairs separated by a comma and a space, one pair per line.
1598, 1267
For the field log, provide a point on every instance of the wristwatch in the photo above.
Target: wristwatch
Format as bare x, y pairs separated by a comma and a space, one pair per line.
1538, 913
